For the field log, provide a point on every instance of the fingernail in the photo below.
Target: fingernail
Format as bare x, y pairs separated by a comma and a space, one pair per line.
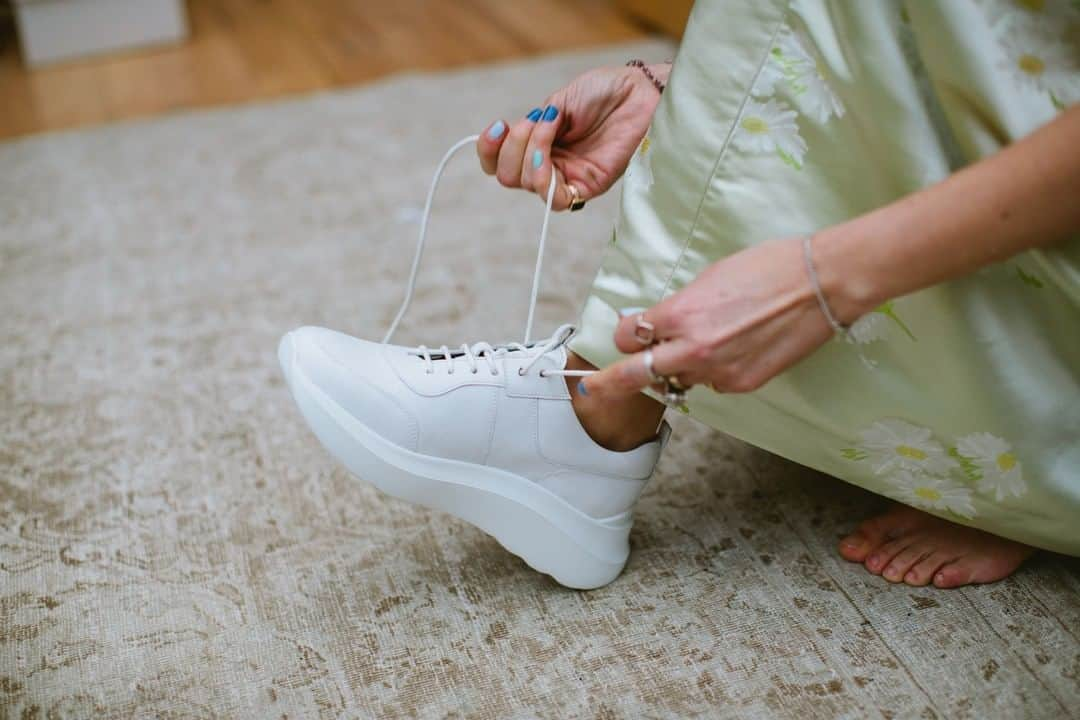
497, 130
550, 113
535, 114
538, 158
627, 312
581, 387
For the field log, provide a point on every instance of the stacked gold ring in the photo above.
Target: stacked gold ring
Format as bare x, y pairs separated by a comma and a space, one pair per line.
576, 201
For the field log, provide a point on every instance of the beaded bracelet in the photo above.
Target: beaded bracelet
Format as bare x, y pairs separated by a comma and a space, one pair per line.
648, 73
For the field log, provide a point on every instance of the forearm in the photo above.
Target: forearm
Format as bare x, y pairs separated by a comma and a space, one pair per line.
1026, 196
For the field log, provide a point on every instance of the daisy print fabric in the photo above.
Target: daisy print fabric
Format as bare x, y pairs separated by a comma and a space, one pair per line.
1038, 46
791, 80
918, 469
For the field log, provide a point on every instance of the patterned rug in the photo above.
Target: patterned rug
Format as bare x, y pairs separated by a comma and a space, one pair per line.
174, 543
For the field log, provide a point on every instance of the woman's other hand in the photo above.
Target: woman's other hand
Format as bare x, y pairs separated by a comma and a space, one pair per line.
587, 132
741, 322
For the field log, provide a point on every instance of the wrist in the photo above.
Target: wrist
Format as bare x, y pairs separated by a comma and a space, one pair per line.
652, 76
849, 278
662, 71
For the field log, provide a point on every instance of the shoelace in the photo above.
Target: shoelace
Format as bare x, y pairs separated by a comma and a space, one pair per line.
485, 352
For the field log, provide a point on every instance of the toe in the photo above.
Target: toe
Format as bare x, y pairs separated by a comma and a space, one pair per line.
923, 571
953, 575
881, 557
855, 547
869, 536
905, 559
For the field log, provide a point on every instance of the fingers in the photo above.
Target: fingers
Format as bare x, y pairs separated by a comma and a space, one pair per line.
633, 331
538, 166
630, 375
510, 164
487, 147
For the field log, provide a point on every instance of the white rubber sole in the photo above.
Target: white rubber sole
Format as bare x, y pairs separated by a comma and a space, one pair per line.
538, 526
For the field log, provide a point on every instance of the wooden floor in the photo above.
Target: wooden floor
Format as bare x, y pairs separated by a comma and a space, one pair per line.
243, 50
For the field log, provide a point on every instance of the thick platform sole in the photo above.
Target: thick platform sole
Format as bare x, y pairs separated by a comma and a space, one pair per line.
538, 526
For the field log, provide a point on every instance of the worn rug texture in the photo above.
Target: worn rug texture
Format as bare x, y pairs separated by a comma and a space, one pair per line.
174, 542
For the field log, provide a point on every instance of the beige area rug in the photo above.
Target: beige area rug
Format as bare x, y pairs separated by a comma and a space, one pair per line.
174, 543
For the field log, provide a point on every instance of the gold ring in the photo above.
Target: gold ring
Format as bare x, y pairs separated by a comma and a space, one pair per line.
576, 201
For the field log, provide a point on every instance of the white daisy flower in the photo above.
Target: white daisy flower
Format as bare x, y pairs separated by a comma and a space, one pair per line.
791, 63
1001, 472
871, 327
931, 492
770, 127
1036, 54
893, 444
639, 172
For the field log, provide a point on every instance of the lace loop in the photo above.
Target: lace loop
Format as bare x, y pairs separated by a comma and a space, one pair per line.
482, 351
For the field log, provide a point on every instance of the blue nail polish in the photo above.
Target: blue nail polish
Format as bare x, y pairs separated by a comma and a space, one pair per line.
627, 312
535, 114
581, 387
550, 113
497, 130
538, 158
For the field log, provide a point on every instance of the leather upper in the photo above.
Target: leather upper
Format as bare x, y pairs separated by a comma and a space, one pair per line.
524, 424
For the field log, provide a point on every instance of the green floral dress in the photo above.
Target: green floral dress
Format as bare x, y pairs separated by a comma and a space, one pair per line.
782, 118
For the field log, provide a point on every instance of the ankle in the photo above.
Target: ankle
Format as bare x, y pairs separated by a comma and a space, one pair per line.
617, 425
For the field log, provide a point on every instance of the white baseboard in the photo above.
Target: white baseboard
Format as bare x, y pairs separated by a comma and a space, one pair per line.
53, 30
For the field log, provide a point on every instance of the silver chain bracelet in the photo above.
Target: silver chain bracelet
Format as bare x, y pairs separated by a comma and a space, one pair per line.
837, 327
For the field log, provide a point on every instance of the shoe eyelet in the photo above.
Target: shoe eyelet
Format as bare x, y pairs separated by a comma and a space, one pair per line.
429, 372
474, 371
494, 372
521, 372
542, 374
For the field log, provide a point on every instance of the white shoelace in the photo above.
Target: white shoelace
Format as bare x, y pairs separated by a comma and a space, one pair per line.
482, 351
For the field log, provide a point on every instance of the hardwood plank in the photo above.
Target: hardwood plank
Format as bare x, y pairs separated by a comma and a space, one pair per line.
243, 50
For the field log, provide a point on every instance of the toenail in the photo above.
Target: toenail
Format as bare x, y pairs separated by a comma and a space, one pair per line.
874, 559
939, 578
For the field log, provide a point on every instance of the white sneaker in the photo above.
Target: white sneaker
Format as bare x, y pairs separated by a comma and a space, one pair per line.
485, 433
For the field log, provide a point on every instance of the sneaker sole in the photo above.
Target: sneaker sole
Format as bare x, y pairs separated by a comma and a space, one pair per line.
541, 528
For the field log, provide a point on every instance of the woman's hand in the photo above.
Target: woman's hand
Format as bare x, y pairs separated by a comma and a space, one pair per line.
750, 316
588, 131
741, 322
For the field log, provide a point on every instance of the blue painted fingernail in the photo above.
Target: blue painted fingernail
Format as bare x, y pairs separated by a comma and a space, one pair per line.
535, 114
627, 312
550, 113
497, 130
538, 158
581, 387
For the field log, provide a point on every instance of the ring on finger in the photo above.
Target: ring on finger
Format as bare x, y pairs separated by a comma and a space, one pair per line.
576, 201
644, 331
650, 372
674, 384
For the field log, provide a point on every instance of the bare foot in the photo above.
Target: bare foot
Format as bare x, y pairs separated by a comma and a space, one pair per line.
914, 547
618, 424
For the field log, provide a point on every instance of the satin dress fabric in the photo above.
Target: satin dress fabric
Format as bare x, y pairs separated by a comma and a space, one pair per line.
782, 118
